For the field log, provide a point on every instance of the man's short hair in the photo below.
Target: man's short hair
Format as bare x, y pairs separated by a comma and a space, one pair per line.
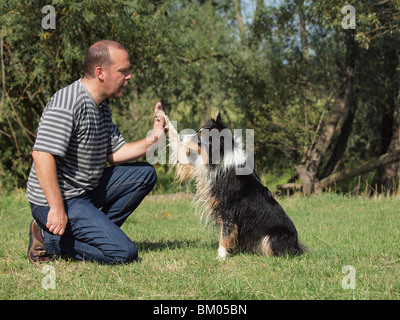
99, 55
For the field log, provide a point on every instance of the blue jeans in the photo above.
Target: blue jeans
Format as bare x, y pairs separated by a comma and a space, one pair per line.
94, 218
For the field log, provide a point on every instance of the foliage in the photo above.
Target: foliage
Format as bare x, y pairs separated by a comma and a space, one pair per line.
172, 48
280, 74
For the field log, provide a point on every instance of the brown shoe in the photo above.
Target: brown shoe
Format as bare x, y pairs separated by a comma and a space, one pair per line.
36, 251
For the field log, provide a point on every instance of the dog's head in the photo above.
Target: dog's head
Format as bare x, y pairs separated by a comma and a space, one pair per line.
214, 140
213, 146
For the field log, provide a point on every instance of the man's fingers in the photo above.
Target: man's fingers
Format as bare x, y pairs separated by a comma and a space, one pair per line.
56, 230
59, 232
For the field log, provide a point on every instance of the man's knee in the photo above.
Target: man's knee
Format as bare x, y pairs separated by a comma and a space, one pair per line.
131, 254
149, 170
149, 175
144, 170
152, 176
126, 254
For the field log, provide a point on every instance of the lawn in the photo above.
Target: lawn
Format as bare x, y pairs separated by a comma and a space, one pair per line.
356, 235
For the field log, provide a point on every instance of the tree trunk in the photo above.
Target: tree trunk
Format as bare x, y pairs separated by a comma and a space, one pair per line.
368, 166
239, 20
385, 159
308, 171
302, 28
341, 142
385, 177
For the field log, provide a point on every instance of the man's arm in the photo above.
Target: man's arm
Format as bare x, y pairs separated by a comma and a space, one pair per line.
134, 150
46, 171
129, 152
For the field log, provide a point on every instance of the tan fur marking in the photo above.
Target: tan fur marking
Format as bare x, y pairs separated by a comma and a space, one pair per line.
183, 172
192, 145
265, 247
214, 203
231, 240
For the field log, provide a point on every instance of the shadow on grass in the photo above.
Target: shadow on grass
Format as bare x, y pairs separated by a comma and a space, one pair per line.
160, 245
173, 245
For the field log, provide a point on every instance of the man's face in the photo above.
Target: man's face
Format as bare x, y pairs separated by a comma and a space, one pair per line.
117, 74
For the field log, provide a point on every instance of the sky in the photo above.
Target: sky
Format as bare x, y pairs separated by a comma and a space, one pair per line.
249, 6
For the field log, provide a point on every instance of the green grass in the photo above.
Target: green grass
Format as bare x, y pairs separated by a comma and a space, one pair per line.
178, 255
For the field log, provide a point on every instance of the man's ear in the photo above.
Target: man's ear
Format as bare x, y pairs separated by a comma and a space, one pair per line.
99, 73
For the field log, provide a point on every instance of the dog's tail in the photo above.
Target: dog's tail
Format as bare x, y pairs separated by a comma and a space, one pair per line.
303, 248
276, 246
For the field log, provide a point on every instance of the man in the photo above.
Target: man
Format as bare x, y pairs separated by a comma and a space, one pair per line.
69, 183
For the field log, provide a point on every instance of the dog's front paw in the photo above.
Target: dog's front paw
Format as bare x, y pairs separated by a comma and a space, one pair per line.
159, 114
222, 253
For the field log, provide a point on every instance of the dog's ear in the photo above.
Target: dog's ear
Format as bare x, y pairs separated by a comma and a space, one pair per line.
218, 118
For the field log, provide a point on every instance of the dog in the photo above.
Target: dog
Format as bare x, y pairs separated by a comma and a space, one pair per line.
247, 213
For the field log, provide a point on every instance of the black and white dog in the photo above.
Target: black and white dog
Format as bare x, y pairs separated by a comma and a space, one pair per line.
248, 215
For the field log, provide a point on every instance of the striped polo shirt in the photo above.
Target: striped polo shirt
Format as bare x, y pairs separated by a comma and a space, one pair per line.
80, 134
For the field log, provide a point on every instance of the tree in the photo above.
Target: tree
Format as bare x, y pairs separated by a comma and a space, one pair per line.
321, 99
304, 83
387, 59
309, 169
174, 48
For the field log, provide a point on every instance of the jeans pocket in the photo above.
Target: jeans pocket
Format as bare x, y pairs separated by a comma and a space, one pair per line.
40, 213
